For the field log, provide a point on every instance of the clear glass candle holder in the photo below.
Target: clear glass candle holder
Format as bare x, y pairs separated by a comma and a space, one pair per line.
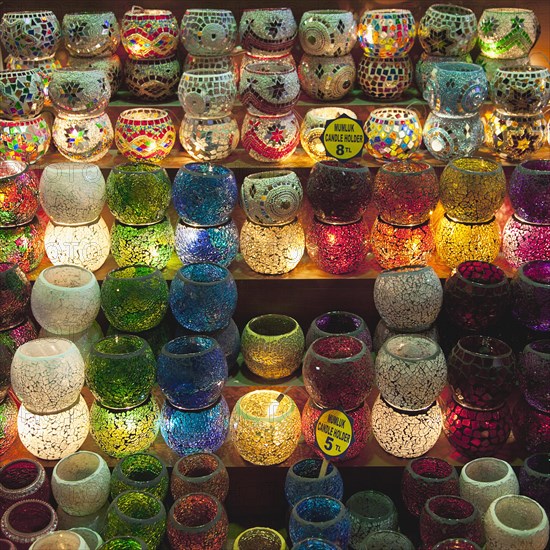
111, 65
327, 78
386, 33
15, 292
531, 427
152, 80
330, 33
392, 133
91, 34
533, 368
26, 521
23, 245
134, 298
341, 323
265, 428
208, 31
268, 31
25, 141
197, 520
23, 94
18, 193
525, 241
8, 424
529, 191
384, 79
258, 536
199, 473
534, 479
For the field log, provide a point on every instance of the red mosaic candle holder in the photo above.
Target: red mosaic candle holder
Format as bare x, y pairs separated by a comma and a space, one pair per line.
531, 427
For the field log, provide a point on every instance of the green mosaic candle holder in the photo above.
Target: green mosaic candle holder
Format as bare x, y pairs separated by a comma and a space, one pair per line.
123, 543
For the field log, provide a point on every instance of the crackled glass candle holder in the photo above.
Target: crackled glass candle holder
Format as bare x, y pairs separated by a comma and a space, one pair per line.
120, 433
265, 427
134, 298
458, 242
194, 431
392, 133
327, 78
315, 544
152, 79
531, 295
380, 540
338, 372
330, 33
54, 436
26, 521
481, 371
208, 31
120, 371
268, 31
111, 65
124, 543
18, 193
360, 419
15, 292
23, 245
524, 241
142, 472
23, 94
80, 483
223, 63
199, 473
204, 194
91, 34
260, 537
322, 516
534, 479
384, 79
341, 323
529, 191
427, 477
386, 33
8, 425
533, 370
149, 34
475, 432
476, 295
531, 427
506, 33
25, 140
197, 520
207, 92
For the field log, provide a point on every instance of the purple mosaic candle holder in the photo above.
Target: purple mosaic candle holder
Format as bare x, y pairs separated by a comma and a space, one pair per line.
534, 374
531, 427
525, 241
529, 190
534, 479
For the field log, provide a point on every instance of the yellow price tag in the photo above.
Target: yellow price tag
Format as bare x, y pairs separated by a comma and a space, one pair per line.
334, 433
343, 137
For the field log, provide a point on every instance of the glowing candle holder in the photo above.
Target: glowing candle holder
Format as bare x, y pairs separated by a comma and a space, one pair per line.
534, 362
387, 32
26, 521
529, 191
260, 535
327, 78
111, 66
61, 538
223, 63
268, 31
208, 31
330, 33
524, 242
152, 79
339, 323
265, 428
207, 92
23, 245
23, 94
8, 425
18, 193
426, 63
24, 140
384, 79
490, 66
140, 472
91, 34
531, 427
534, 479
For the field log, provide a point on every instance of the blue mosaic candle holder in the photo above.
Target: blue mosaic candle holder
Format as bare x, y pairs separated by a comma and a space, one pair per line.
191, 371
302, 480
218, 244
204, 194
187, 432
315, 544
203, 297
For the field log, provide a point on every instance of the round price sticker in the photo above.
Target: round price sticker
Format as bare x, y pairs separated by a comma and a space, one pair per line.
334, 433
343, 137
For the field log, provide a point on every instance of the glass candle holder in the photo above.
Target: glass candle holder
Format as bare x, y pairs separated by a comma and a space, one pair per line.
265, 428
447, 516
458, 242
258, 536
361, 422
203, 297
268, 31
524, 241
329, 33
208, 31
327, 78
134, 298
456, 544
199, 473
534, 479
149, 34
23, 245
529, 191
121, 433
152, 79
54, 436
531, 427
475, 432
385, 79
382, 333
80, 483
320, 516
426, 477
315, 544
111, 65
490, 66
447, 30
341, 323
476, 295
136, 513
15, 292
338, 372
193, 431
120, 371
392, 133
397, 246
197, 520
25, 141
386, 33
26, 521
534, 363
91, 34
123, 542
223, 63
426, 63
91, 538
18, 193
272, 346
8, 425
60, 539
379, 540
506, 33
141, 472
23, 94
145, 134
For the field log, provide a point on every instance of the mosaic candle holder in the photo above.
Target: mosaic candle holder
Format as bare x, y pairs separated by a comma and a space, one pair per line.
10, 339
91, 34
384, 79
386, 33
268, 32
523, 241
330, 33
27, 521
339, 323
426, 63
534, 363
111, 65
132, 543
18, 193
141, 472
8, 424
152, 79
22, 95
531, 427
490, 66
207, 92
260, 535
529, 191
223, 63
315, 544
145, 134
378, 540
23, 245
327, 78
208, 31
534, 479
26, 140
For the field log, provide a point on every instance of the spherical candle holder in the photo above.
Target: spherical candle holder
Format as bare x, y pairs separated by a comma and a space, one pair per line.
475, 432
447, 30
60, 539
490, 66
531, 295
197, 520
258, 536
327, 78
23, 94
379, 540
209, 31
531, 427
111, 65
315, 544
384, 79
152, 79
149, 34
268, 31
330, 33
382, 333
194, 431
534, 363
360, 420
204, 194
121, 433
524, 241
320, 516
207, 92
476, 295
142, 472
8, 425
91, 34
386, 33
199, 473
426, 63
272, 346
392, 133
529, 191
26, 521
223, 63
456, 544
18, 193
458, 242
134, 298
534, 479
25, 141
23, 245
126, 542
203, 297
54, 436
265, 428
80, 483
341, 323
15, 291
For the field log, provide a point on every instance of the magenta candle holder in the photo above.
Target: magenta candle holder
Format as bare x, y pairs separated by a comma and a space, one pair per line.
531, 427
524, 241
534, 374
529, 190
